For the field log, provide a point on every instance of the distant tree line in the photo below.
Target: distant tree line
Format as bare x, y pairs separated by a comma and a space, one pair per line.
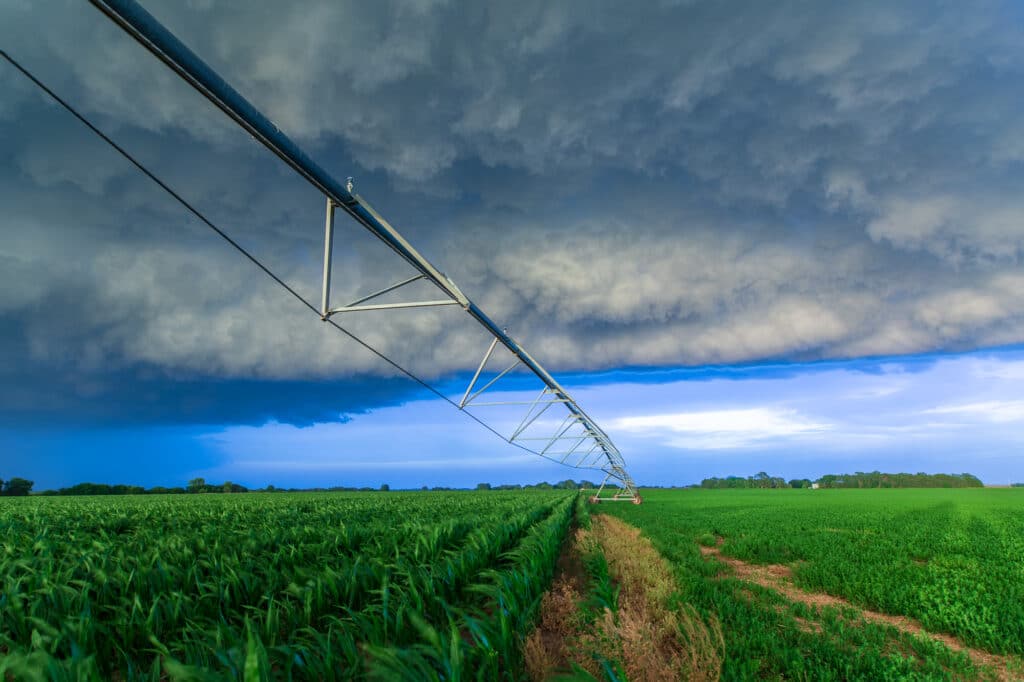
876, 479
860, 479
20, 486
567, 484
759, 480
199, 485
196, 485
16, 487
106, 489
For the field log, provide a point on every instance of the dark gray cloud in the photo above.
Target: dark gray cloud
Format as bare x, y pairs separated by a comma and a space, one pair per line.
677, 184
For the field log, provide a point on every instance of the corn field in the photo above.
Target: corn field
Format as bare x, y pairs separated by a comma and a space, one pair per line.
458, 586
285, 586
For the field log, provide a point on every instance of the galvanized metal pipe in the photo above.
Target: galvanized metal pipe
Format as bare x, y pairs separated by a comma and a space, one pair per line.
144, 28
325, 298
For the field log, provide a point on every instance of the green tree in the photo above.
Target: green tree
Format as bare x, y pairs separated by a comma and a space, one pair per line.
877, 479
197, 485
385, 487
483, 486
18, 487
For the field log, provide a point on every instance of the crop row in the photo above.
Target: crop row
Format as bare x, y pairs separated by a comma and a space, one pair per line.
950, 558
306, 584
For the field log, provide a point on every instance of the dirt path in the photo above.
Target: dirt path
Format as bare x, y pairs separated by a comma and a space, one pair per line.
779, 578
640, 632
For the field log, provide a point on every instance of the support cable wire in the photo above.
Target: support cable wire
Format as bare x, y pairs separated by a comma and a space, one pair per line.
165, 46
266, 270
253, 259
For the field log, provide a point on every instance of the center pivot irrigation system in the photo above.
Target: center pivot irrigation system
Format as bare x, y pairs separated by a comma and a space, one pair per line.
577, 441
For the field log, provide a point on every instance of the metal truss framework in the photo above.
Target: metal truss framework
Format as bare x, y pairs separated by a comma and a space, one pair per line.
577, 441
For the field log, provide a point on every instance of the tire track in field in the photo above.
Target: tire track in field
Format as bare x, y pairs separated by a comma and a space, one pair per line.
779, 578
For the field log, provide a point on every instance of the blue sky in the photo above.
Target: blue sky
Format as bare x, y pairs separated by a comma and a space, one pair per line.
952, 413
749, 236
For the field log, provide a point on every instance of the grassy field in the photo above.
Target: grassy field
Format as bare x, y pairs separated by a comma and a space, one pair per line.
951, 559
747, 584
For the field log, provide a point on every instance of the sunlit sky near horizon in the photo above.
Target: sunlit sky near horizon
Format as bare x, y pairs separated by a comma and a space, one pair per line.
676, 429
954, 414
781, 237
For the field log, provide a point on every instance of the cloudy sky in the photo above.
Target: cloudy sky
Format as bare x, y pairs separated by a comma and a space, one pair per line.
750, 236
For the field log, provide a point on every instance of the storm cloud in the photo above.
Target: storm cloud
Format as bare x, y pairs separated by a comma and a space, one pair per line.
679, 183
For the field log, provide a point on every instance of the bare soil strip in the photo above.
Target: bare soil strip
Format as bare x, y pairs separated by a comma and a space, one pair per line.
647, 638
657, 642
779, 578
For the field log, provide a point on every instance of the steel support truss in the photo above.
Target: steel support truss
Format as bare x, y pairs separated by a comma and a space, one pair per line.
578, 440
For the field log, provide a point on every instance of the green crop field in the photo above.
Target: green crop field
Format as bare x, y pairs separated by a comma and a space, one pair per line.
449, 585
308, 586
951, 559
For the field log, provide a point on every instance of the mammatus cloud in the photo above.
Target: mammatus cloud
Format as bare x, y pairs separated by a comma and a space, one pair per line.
690, 183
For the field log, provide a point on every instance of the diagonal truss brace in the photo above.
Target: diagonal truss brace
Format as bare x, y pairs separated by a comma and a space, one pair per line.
357, 305
577, 441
